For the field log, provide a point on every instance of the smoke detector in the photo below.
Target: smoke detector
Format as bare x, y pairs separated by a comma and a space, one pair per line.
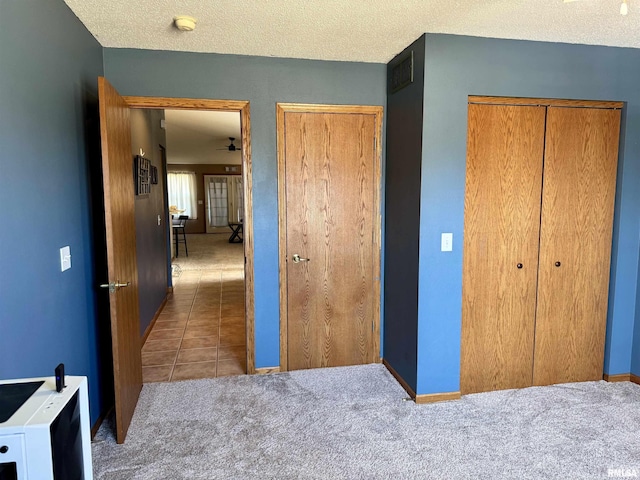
184, 23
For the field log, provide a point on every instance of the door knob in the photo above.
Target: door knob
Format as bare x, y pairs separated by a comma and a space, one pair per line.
297, 258
558, 264
114, 286
519, 265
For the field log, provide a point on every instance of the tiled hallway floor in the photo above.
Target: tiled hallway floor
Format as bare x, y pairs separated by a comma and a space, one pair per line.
201, 330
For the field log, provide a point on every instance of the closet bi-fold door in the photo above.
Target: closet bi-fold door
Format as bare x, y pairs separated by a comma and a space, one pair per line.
505, 147
580, 166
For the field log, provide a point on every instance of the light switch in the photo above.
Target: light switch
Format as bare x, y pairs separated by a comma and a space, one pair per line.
199, 202
446, 242
65, 258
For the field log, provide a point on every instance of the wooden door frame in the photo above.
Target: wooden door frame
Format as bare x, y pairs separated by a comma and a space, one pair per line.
377, 111
241, 107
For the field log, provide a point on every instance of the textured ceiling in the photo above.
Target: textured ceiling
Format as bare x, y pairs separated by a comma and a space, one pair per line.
220, 125
202, 136
349, 30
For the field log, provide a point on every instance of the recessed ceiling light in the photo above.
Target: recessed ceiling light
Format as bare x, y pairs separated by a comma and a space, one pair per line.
184, 23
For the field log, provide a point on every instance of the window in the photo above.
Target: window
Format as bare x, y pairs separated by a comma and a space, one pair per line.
181, 187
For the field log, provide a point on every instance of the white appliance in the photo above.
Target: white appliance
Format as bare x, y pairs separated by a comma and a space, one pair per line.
47, 437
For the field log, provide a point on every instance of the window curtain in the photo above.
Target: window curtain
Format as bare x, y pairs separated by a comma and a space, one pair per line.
181, 187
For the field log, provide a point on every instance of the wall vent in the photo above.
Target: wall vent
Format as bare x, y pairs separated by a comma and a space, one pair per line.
401, 73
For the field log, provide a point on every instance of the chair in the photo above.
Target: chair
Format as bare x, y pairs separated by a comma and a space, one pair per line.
178, 228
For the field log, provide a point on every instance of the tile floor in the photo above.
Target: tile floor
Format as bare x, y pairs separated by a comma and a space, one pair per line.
201, 330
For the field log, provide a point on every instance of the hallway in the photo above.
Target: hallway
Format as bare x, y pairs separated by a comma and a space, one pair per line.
201, 330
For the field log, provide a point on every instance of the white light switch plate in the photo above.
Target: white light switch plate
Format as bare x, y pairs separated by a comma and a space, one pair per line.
446, 242
65, 258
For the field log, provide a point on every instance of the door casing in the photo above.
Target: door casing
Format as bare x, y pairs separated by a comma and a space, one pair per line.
281, 110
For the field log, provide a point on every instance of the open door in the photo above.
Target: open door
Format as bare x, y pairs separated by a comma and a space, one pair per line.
117, 166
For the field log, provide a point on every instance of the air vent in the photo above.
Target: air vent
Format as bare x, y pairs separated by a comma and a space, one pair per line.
401, 73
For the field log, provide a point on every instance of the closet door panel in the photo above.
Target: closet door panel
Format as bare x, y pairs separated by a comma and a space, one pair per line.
575, 244
501, 233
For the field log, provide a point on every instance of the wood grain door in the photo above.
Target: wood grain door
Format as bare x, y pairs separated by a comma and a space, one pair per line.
117, 161
575, 243
505, 148
331, 217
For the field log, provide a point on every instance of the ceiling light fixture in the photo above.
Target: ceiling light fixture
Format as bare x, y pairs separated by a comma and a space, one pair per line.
184, 23
624, 8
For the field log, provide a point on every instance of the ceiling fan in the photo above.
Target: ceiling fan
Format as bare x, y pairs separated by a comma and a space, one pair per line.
624, 6
231, 147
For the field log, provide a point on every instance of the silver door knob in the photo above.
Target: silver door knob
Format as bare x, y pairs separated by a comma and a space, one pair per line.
114, 286
297, 258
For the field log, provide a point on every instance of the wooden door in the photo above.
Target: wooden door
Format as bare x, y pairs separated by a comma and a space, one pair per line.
575, 243
505, 147
331, 218
117, 166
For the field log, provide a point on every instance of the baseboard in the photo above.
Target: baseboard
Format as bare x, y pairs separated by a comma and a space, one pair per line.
147, 331
267, 370
96, 426
423, 398
437, 397
622, 377
400, 380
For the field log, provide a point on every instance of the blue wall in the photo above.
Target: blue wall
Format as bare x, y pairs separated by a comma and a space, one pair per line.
458, 66
262, 81
402, 218
49, 66
151, 238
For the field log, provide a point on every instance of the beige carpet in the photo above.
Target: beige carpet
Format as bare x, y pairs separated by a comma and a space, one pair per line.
352, 423
210, 251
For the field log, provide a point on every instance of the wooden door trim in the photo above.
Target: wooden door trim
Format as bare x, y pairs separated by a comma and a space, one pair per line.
242, 107
377, 111
544, 102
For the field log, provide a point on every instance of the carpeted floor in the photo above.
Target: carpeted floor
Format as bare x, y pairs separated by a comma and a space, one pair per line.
353, 423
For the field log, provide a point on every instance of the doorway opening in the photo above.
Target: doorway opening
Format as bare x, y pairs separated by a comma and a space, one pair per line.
204, 328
